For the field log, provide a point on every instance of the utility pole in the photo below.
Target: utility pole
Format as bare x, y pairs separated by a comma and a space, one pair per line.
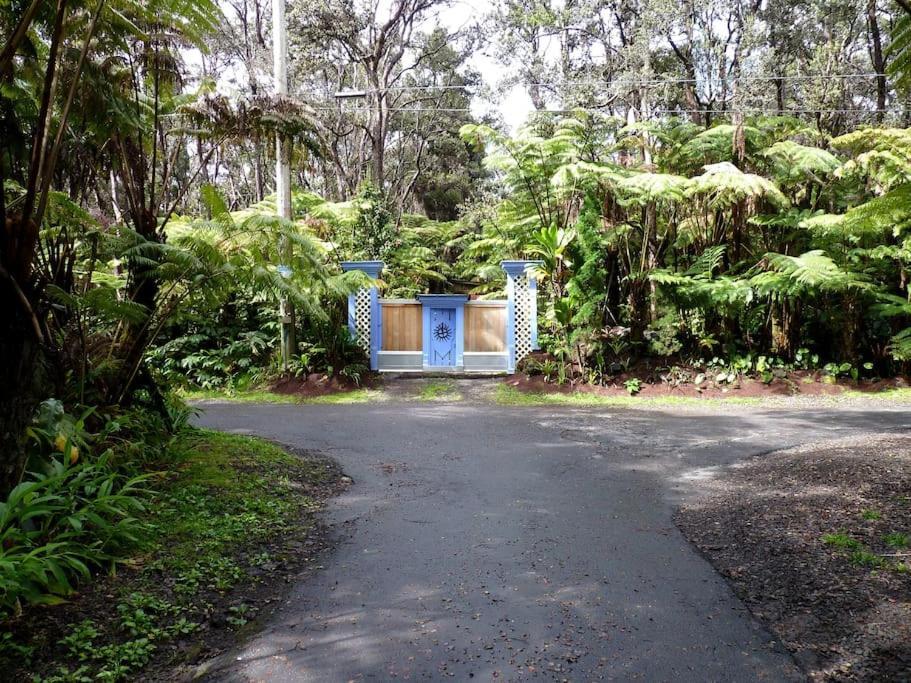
283, 176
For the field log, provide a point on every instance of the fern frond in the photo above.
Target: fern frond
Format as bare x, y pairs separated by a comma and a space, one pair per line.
724, 184
811, 272
643, 188
708, 261
899, 53
792, 162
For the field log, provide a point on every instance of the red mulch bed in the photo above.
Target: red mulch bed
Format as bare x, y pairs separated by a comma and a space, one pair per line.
797, 383
318, 384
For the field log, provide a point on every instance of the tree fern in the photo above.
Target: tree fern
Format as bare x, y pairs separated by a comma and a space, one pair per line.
723, 184
810, 273
793, 162
716, 145
899, 52
881, 154
643, 188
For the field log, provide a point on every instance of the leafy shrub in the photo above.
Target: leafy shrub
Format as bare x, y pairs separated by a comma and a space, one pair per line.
213, 360
546, 366
834, 371
238, 351
374, 235
676, 376
73, 511
138, 437
805, 360
633, 386
663, 335
330, 349
354, 373
731, 369
60, 523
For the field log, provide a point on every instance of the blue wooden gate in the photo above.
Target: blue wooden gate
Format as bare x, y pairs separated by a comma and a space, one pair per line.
440, 344
443, 337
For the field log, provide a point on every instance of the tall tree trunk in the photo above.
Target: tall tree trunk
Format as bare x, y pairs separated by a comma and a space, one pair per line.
879, 62
637, 302
378, 140
612, 286
142, 288
537, 97
612, 266
650, 244
739, 209
690, 97
738, 220
850, 329
23, 381
259, 182
22, 340
785, 327
18, 36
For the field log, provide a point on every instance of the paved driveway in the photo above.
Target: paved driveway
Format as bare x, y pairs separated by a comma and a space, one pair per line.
505, 543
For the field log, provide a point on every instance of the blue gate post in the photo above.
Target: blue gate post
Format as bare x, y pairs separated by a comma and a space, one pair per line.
364, 315
521, 310
533, 305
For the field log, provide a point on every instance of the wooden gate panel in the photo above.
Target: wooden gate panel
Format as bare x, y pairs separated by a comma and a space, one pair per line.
485, 328
402, 327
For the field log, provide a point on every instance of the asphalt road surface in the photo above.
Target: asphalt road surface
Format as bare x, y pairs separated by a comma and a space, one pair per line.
513, 543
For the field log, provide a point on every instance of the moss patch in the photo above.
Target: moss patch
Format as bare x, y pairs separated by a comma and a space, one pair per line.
896, 395
250, 396
355, 396
264, 396
439, 390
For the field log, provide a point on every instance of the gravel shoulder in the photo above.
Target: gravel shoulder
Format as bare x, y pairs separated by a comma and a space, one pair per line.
814, 540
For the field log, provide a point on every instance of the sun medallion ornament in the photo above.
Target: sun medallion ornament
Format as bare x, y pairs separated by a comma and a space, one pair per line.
442, 332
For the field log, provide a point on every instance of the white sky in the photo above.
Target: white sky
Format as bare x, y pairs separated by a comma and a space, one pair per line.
515, 105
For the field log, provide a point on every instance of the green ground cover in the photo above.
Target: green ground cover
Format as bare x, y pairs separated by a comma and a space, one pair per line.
218, 523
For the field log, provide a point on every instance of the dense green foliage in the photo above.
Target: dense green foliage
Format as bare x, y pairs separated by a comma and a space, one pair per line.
103, 143
670, 240
745, 247
708, 219
82, 504
241, 304
216, 500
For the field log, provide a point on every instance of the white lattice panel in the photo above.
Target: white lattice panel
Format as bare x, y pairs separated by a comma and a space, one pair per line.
523, 317
362, 319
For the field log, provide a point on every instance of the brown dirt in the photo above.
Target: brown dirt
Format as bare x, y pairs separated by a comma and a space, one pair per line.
797, 383
761, 524
318, 384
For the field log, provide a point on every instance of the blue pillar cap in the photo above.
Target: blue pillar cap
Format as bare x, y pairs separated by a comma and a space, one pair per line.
515, 268
372, 268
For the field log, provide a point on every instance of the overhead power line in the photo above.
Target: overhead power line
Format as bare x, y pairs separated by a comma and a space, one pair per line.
630, 83
634, 82
603, 110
